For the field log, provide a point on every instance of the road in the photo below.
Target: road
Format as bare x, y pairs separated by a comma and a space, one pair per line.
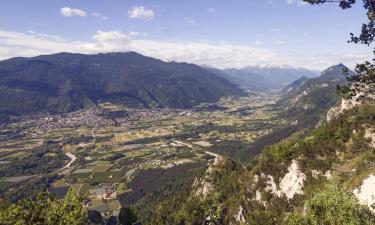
73, 158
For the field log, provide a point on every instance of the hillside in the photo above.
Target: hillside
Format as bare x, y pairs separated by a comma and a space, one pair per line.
312, 96
266, 78
65, 82
294, 86
324, 176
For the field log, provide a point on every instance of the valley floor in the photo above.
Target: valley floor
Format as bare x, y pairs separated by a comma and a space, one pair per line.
113, 155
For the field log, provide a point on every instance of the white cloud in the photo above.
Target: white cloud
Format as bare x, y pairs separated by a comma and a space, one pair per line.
133, 33
296, 2
141, 12
109, 41
20, 44
46, 36
69, 12
213, 54
99, 16
221, 55
280, 43
110, 37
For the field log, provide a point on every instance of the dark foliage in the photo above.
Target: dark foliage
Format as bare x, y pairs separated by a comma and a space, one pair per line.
94, 217
127, 216
112, 221
27, 188
152, 181
38, 162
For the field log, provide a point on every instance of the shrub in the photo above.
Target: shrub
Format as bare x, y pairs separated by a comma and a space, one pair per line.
44, 209
331, 207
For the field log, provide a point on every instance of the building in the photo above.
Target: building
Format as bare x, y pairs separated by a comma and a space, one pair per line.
105, 193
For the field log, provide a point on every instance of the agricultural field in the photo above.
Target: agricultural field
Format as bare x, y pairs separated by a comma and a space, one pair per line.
112, 155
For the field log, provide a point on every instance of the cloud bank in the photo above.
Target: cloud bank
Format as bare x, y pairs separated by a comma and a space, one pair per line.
221, 55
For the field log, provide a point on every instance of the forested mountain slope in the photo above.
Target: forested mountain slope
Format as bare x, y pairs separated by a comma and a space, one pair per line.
65, 82
312, 97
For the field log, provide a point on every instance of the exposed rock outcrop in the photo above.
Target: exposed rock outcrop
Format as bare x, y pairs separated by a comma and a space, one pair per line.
203, 185
364, 92
290, 185
366, 192
240, 217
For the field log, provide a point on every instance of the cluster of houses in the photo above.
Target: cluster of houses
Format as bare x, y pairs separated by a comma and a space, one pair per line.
87, 117
105, 193
91, 117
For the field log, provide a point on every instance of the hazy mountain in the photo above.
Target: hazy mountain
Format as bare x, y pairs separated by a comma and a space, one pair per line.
65, 82
268, 77
312, 96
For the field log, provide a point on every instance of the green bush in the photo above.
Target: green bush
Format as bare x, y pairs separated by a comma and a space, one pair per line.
333, 206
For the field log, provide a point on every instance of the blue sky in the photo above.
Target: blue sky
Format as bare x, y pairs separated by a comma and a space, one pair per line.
220, 33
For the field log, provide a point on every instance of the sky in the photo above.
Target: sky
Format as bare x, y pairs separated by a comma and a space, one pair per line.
217, 33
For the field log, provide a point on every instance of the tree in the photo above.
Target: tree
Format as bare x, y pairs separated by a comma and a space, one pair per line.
44, 209
127, 216
112, 221
363, 81
94, 217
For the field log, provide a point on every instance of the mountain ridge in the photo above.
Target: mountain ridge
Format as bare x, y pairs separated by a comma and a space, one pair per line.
69, 81
264, 78
312, 96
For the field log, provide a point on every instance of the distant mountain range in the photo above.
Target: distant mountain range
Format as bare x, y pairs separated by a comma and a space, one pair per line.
266, 78
65, 82
307, 98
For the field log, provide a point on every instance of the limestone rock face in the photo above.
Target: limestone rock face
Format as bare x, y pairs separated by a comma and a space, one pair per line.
366, 192
364, 92
291, 184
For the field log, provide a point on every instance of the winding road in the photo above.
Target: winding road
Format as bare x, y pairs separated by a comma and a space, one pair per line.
73, 158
